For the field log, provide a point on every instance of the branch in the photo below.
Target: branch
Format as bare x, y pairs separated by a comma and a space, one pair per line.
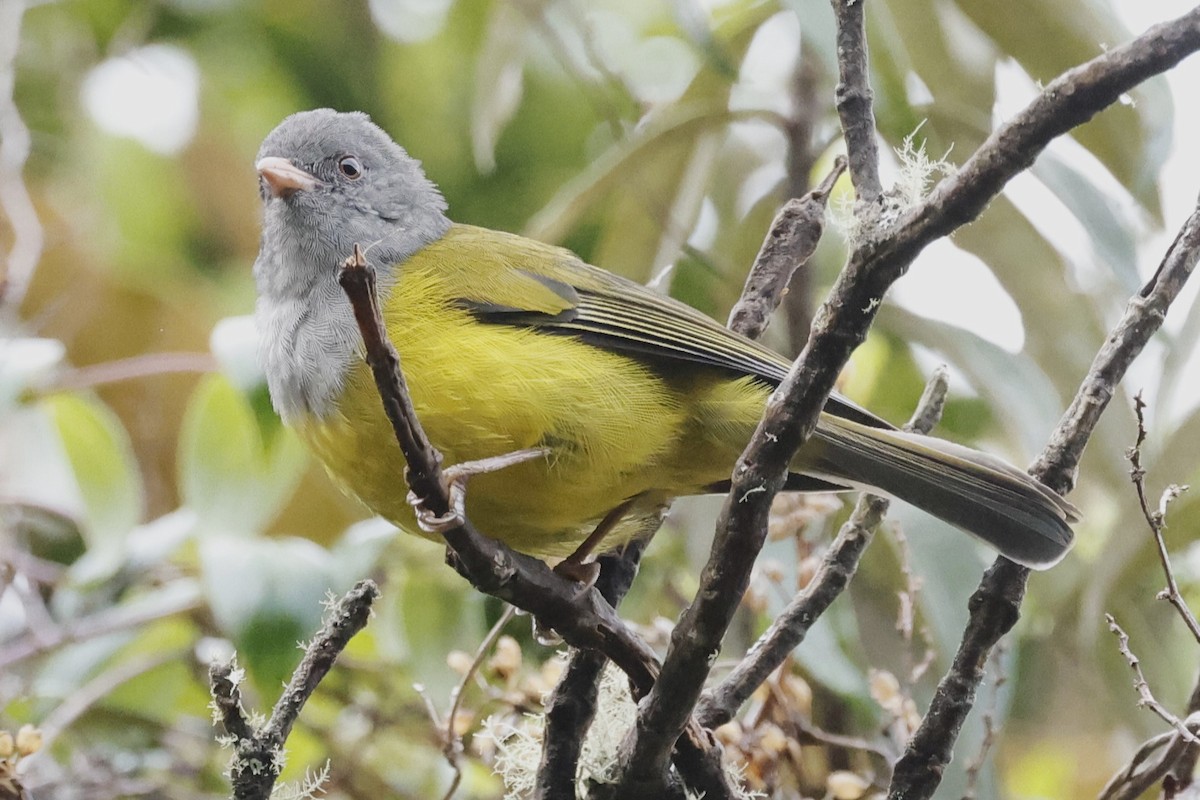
994, 607
1143, 316
1132, 781
257, 753
854, 99
1068, 101
793, 237
572, 705
838, 566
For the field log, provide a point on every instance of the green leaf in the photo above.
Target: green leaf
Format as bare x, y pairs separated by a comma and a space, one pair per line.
102, 460
655, 179
237, 464
1109, 229
499, 81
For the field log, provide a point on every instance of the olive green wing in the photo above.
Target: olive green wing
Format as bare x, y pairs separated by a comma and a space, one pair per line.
550, 289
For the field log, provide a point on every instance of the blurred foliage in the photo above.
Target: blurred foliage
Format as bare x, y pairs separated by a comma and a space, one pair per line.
154, 518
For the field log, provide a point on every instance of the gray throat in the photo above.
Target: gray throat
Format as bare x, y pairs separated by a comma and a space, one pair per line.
308, 337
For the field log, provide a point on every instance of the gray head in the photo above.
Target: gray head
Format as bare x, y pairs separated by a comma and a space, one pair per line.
329, 181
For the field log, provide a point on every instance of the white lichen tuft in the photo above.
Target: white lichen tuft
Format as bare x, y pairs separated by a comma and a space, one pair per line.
311, 787
917, 172
518, 747
518, 750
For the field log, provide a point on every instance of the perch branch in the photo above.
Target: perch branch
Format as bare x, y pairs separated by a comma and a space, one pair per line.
580, 615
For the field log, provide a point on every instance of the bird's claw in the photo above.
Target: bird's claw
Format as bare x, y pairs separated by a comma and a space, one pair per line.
440, 524
454, 482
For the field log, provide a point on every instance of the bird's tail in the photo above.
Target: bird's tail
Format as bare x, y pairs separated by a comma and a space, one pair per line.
986, 497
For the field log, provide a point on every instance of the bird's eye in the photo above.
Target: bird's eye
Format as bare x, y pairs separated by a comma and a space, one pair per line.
350, 167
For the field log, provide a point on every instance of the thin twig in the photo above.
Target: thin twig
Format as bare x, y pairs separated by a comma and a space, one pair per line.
98, 624
452, 746
258, 753
1183, 766
995, 605
93, 691
906, 616
1146, 697
1157, 519
145, 365
1132, 780
1174, 766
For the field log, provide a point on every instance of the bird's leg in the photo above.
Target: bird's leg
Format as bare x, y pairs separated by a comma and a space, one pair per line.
576, 566
454, 479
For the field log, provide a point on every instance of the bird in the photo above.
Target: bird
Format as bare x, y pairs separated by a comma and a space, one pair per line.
601, 399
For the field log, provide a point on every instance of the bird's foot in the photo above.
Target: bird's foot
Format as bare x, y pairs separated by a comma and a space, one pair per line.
579, 566
578, 570
454, 480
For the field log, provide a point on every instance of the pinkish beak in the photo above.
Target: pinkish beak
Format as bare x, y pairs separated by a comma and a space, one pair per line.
284, 178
